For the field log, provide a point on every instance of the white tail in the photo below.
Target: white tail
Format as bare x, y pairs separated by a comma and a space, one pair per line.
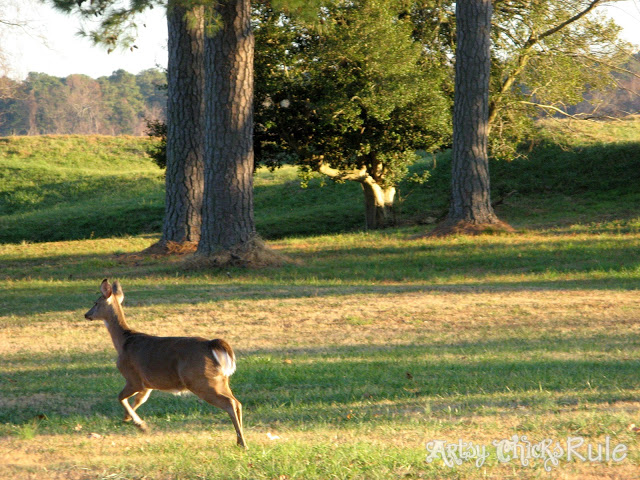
173, 364
227, 362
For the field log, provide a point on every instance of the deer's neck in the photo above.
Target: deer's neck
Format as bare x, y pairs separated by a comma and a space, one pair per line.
117, 326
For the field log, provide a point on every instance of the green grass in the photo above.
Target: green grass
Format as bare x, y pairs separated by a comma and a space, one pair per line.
75, 187
355, 354
578, 172
69, 187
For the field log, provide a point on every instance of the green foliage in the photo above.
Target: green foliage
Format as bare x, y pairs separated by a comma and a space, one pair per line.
352, 90
123, 100
546, 57
355, 55
113, 105
157, 129
541, 69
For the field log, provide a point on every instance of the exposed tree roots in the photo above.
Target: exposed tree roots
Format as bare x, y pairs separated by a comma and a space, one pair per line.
450, 228
170, 248
252, 254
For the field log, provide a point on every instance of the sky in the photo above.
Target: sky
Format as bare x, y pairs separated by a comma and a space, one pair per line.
50, 44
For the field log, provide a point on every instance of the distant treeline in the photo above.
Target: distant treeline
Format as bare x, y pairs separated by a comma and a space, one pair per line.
115, 105
122, 103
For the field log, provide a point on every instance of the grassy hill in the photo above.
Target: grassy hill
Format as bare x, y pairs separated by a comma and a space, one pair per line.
75, 187
72, 187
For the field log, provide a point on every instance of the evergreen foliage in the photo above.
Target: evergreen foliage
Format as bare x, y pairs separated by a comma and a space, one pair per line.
354, 91
121, 103
351, 95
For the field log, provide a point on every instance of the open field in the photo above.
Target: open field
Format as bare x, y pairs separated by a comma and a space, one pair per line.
355, 354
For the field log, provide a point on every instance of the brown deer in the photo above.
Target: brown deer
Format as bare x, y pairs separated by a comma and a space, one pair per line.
172, 364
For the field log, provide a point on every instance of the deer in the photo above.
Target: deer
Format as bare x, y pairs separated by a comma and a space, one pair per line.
171, 364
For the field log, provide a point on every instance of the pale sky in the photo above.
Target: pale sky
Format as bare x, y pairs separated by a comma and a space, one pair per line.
51, 46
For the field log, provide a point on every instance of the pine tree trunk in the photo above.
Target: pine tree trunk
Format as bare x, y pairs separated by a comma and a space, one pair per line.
228, 223
185, 117
470, 181
378, 202
471, 208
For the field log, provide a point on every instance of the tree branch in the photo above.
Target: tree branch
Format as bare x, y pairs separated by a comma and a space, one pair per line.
536, 39
579, 116
602, 62
525, 56
356, 175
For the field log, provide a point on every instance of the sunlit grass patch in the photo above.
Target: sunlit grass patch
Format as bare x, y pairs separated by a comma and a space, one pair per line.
351, 358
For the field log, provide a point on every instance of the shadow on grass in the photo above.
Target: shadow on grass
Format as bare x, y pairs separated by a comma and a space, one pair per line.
51, 299
340, 384
496, 263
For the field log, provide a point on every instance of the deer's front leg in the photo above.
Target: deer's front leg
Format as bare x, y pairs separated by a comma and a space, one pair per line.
141, 397
127, 392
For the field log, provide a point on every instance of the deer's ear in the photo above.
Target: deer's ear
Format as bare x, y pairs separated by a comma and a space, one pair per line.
105, 288
117, 291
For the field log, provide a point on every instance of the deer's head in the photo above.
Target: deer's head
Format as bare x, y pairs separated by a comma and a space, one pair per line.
105, 303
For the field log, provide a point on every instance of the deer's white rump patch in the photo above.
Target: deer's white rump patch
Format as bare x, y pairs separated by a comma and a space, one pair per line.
227, 363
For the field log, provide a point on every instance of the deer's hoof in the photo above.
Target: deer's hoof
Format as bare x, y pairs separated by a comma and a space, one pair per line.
143, 426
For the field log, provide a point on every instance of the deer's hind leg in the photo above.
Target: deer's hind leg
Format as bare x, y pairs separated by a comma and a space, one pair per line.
219, 394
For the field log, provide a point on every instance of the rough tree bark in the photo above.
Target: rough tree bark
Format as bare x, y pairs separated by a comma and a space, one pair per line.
471, 210
185, 129
228, 229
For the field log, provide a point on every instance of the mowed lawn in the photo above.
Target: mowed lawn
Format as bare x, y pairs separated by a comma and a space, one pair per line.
352, 358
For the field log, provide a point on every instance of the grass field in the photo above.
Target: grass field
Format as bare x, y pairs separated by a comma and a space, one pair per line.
357, 353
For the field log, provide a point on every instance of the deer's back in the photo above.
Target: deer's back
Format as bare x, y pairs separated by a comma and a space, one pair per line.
166, 363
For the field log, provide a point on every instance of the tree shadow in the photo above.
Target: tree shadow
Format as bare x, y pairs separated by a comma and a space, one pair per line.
336, 385
609, 264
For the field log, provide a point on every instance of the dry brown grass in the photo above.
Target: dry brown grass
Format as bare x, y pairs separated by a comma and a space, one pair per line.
449, 228
254, 253
367, 319
458, 323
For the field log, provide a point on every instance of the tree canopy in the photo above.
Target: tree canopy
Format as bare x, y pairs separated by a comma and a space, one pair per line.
114, 105
353, 90
351, 96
